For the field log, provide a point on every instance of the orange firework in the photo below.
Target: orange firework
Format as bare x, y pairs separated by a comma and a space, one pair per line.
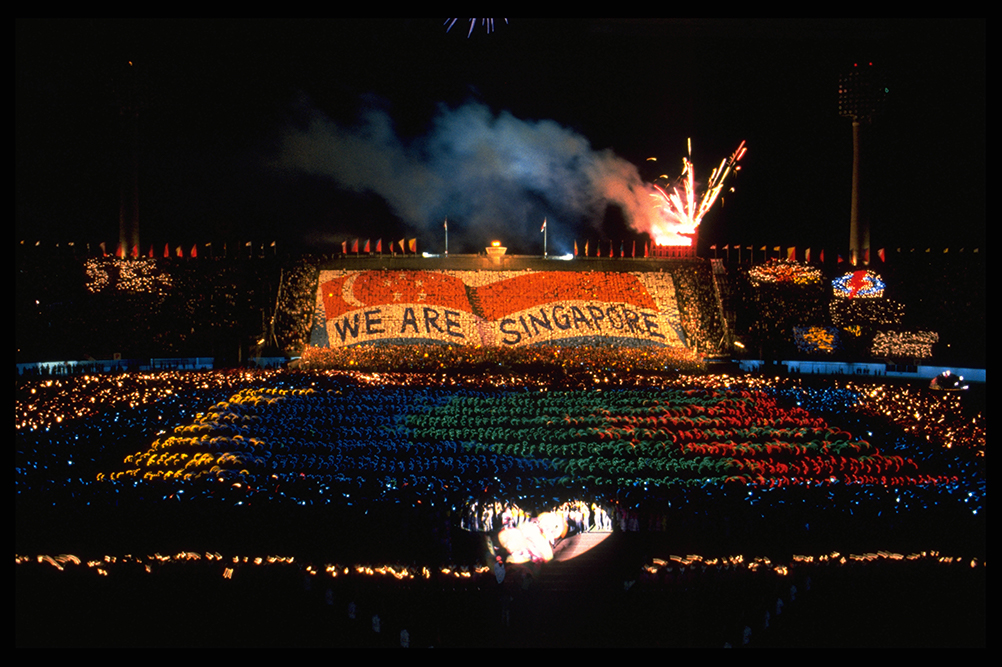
682, 210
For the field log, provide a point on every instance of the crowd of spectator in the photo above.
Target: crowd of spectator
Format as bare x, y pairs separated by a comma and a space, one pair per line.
832, 599
398, 460
896, 311
657, 452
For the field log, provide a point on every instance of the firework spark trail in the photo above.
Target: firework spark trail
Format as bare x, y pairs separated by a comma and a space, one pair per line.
683, 211
473, 23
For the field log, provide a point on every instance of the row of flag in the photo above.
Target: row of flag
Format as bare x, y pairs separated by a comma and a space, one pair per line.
600, 250
403, 246
806, 255
178, 251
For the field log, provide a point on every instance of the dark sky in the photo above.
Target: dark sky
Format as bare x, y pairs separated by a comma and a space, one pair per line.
311, 132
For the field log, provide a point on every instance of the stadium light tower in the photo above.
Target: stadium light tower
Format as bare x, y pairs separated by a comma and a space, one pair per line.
861, 97
129, 100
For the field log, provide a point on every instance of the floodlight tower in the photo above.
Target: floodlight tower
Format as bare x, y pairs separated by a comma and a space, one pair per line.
861, 96
129, 100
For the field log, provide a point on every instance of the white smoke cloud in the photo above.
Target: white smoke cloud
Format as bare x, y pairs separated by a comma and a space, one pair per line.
490, 174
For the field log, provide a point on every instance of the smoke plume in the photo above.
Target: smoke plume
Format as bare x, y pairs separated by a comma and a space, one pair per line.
492, 175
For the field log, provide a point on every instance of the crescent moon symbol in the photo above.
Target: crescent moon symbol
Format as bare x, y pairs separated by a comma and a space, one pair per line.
348, 291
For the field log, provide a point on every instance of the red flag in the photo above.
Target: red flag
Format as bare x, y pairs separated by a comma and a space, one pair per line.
179, 252
194, 251
646, 248
379, 246
367, 249
120, 253
135, 251
543, 228
413, 245
151, 252
354, 247
166, 250
344, 247
880, 253
575, 247
791, 254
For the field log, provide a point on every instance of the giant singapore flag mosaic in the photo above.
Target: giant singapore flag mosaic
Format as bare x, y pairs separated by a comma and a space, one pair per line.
496, 308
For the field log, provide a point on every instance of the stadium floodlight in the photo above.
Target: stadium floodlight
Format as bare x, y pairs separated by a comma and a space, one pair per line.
861, 96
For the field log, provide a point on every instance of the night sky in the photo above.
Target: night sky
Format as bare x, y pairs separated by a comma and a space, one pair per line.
312, 132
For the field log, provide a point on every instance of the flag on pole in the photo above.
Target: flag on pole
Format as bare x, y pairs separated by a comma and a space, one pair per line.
543, 228
807, 255
413, 245
791, 254
367, 248
575, 247
402, 247
354, 247
379, 246
586, 248
194, 251
166, 251
344, 247
151, 253
883, 257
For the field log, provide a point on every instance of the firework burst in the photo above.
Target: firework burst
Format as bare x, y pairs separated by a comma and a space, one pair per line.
681, 209
488, 23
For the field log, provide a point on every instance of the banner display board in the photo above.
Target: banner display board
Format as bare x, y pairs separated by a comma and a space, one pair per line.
496, 308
